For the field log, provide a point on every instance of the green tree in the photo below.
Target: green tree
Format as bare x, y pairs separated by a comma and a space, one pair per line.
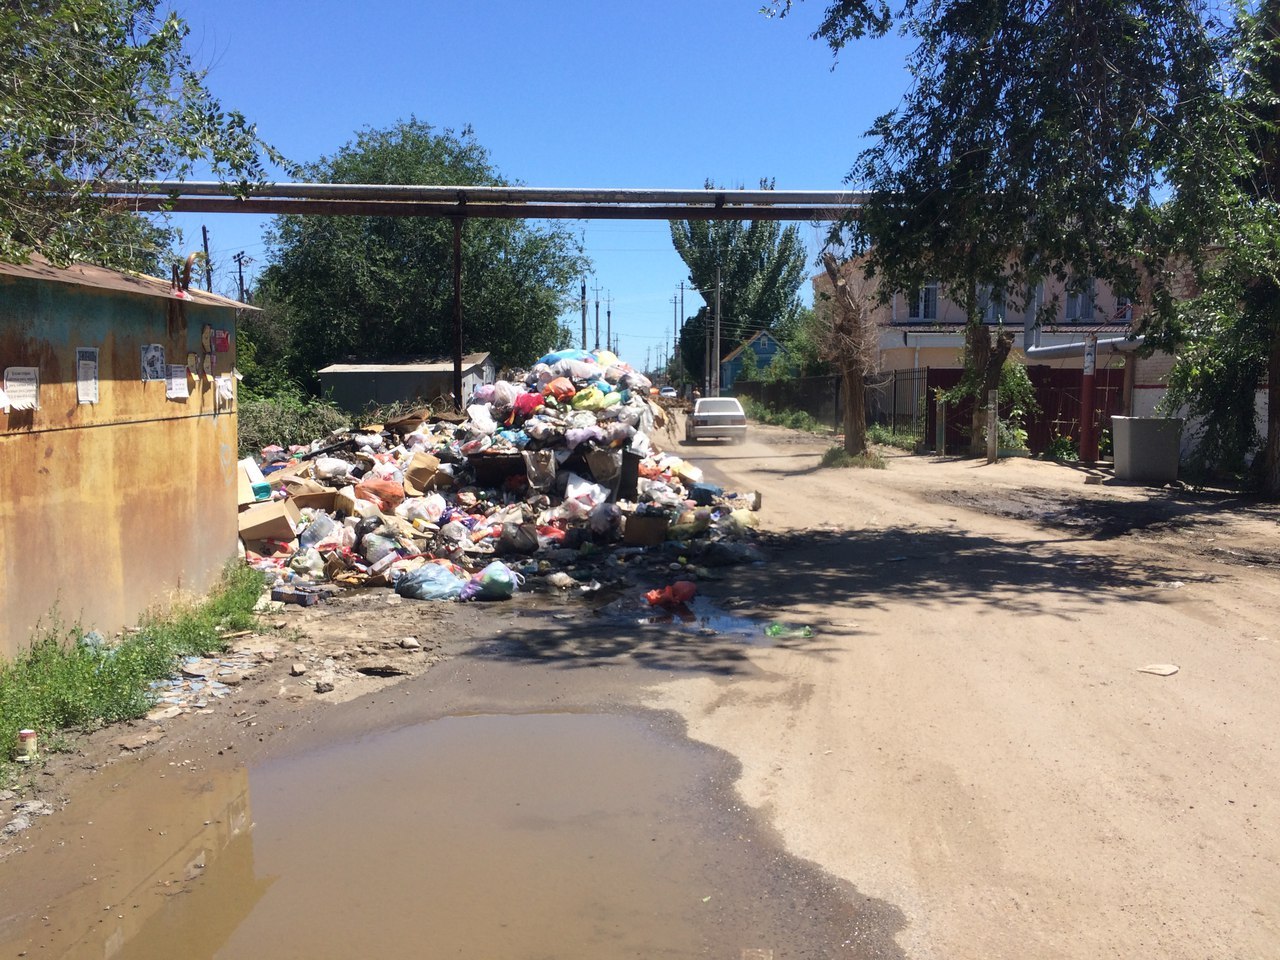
762, 265
1035, 140
99, 90
1227, 335
383, 286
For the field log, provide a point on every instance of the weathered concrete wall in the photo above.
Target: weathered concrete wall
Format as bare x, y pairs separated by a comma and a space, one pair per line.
106, 509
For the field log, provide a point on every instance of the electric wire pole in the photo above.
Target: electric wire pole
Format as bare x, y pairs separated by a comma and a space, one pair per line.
608, 320
715, 367
241, 260
584, 314
208, 264
596, 288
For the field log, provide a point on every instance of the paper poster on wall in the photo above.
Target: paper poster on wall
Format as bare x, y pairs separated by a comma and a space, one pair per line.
86, 374
175, 385
4, 401
206, 338
193, 363
208, 367
221, 341
22, 384
153, 365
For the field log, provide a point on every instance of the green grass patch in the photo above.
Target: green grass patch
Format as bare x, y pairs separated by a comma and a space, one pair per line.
791, 419
71, 679
288, 419
879, 433
839, 457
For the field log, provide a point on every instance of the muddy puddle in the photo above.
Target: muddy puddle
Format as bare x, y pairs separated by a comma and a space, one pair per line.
565, 835
701, 616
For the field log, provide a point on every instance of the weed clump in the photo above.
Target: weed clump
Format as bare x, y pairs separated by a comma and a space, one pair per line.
838, 457
73, 679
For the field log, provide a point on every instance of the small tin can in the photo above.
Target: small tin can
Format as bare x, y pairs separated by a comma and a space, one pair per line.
26, 746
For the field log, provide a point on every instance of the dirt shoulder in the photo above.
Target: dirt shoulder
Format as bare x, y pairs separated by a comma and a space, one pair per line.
968, 735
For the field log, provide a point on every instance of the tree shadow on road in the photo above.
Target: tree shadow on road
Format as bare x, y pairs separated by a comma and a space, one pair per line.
937, 568
706, 639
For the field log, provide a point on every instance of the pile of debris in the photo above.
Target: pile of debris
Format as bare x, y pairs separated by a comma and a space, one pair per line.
535, 478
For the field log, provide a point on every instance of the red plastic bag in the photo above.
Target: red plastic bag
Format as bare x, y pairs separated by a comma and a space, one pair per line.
682, 591
526, 404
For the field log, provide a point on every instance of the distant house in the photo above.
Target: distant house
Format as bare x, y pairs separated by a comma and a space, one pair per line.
117, 444
765, 347
358, 386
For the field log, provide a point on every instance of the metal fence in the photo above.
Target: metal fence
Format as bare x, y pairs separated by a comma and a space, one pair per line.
903, 402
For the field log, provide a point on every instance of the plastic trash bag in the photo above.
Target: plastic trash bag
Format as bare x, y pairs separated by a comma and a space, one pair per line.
322, 530
375, 546
504, 393
482, 421
518, 538
497, 581
429, 582
682, 591
540, 469
331, 468
308, 562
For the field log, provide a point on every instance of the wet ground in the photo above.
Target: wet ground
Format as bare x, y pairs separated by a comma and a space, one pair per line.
536, 835
425, 819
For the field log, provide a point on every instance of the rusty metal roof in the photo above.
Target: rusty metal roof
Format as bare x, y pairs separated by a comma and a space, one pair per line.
470, 361
103, 278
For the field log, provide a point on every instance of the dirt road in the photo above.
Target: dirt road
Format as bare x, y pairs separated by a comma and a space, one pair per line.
966, 740
969, 736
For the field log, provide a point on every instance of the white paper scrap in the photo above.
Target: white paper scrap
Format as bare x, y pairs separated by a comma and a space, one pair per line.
22, 384
4, 402
175, 384
86, 374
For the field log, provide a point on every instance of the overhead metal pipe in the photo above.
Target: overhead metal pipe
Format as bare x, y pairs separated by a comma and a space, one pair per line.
471, 211
430, 193
1113, 345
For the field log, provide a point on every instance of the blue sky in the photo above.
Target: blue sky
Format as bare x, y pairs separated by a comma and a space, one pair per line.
565, 93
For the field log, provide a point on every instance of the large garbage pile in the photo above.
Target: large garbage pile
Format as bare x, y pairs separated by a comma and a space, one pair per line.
553, 478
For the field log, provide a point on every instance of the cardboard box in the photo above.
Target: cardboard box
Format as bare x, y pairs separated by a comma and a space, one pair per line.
421, 474
275, 520
305, 492
644, 531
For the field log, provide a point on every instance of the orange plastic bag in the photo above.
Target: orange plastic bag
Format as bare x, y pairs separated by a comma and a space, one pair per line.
386, 495
682, 591
561, 388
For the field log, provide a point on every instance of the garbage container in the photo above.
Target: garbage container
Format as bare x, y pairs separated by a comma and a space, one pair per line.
1146, 448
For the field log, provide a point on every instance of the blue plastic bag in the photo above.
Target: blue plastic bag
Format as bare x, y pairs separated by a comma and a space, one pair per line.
430, 582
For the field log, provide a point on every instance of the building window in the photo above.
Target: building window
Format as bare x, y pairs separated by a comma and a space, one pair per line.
1124, 310
1079, 308
991, 310
922, 303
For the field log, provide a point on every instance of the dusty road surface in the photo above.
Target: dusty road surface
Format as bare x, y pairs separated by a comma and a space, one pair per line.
964, 760
969, 736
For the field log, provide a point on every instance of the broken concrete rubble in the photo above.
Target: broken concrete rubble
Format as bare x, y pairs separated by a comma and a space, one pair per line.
554, 475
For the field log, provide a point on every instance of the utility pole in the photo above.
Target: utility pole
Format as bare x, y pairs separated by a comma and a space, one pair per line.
208, 264
608, 320
682, 314
241, 260
596, 288
715, 366
584, 314
646, 360
675, 327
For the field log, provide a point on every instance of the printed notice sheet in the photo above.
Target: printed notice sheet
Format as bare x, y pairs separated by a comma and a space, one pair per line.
22, 384
175, 384
87, 374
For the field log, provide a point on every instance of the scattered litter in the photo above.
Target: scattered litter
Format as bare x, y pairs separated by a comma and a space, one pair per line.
1159, 669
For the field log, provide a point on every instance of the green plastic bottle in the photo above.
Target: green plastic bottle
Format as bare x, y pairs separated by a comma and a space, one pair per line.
777, 629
